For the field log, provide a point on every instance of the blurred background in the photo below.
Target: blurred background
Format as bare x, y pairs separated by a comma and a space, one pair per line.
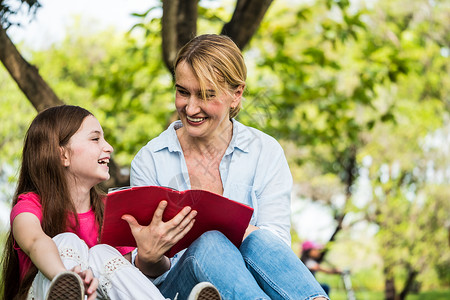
356, 91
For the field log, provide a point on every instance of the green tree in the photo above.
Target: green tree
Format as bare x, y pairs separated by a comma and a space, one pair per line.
178, 25
339, 84
332, 78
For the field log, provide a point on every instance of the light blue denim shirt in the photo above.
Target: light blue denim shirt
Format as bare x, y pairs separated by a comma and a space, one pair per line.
254, 171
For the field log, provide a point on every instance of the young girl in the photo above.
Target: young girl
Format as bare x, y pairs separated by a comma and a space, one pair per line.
52, 251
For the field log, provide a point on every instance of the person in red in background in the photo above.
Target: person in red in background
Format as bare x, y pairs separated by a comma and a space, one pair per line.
311, 257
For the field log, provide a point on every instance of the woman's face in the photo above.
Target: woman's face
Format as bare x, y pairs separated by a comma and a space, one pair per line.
202, 118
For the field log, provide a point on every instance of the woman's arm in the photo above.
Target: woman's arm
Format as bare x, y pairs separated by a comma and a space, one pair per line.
272, 192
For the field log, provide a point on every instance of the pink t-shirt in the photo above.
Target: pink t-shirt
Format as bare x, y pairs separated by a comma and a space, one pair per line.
87, 230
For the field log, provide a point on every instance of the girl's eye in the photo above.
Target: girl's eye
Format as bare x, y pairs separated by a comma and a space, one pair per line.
96, 139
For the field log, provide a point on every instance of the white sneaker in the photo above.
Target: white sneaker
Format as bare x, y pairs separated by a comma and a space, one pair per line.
204, 291
66, 286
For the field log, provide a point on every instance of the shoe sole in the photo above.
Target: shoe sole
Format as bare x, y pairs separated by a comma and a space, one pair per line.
66, 286
208, 293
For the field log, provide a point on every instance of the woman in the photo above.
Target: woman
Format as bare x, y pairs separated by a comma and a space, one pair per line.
207, 149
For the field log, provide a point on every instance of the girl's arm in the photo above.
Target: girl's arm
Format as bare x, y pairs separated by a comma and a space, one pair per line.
44, 254
39, 247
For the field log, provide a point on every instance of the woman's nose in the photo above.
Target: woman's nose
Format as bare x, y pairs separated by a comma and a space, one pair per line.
193, 105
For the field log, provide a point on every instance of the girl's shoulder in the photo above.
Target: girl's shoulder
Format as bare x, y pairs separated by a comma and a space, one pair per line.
27, 202
30, 196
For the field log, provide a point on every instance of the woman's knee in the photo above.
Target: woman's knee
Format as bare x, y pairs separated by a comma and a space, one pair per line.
211, 237
210, 245
261, 239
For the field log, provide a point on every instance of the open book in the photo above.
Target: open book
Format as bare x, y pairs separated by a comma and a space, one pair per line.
215, 212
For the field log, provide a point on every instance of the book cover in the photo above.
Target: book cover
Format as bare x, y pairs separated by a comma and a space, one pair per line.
214, 212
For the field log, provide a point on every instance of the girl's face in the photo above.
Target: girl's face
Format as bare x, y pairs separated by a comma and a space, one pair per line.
202, 118
314, 253
87, 154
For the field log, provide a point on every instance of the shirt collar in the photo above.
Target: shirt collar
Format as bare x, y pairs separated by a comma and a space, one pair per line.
168, 139
241, 138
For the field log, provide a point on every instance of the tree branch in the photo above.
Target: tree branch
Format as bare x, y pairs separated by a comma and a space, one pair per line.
245, 20
412, 274
26, 76
40, 94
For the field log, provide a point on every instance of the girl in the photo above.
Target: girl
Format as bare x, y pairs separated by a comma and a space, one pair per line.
56, 215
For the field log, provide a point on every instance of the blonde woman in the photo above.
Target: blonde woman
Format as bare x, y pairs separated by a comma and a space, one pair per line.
208, 149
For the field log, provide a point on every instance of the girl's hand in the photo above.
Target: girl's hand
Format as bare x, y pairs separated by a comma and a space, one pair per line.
155, 239
90, 282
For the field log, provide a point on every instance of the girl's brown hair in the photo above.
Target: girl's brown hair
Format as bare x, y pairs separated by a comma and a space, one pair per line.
216, 61
43, 173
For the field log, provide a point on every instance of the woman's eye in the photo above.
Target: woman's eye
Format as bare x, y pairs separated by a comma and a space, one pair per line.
181, 92
208, 96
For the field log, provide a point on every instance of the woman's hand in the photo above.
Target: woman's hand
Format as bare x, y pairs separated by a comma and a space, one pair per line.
90, 282
158, 237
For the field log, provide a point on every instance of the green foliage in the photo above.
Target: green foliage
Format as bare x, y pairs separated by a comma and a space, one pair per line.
343, 83
370, 295
10, 8
353, 92
16, 114
119, 77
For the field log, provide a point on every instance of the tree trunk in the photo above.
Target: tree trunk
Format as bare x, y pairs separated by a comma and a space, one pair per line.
26, 76
245, 21
349, 165
412, 274
389, 285
179, 26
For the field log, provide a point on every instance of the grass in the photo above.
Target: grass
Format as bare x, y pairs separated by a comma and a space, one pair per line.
369, 295
373, 290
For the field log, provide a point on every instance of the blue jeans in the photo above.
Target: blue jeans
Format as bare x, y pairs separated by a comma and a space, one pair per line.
264, 267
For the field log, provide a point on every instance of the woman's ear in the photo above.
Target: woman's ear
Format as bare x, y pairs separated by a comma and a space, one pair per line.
237, 96
239, 91
64, 156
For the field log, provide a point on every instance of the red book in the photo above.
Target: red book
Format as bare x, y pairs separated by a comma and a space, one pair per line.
214, 212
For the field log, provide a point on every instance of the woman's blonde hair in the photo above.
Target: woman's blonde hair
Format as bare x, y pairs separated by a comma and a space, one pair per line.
216, 61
